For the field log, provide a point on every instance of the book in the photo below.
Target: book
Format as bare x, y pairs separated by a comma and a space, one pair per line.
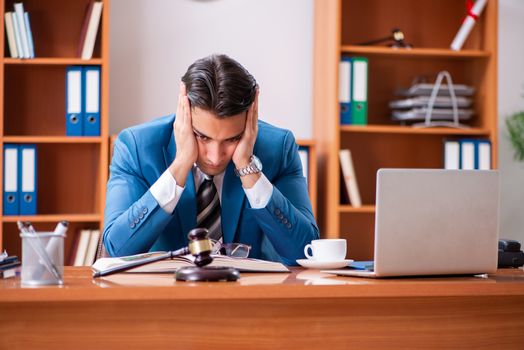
92, 31
81, 250
171, 265
19, 13
9, 270
29, 33
83, 32
10, 33
92, 247
349, 178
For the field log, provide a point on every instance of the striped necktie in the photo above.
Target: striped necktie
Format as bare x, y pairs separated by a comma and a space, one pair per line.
208, 209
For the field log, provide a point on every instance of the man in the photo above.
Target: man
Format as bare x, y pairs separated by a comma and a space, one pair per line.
214, 165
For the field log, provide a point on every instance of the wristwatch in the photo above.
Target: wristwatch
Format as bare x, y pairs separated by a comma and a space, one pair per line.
254, 167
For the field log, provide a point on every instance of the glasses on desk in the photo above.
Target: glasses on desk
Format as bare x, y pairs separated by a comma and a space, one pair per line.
234, 250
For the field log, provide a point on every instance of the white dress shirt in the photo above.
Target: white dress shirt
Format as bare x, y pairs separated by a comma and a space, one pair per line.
167, 192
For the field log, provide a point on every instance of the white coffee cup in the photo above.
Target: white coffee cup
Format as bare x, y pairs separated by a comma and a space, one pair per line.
326, 249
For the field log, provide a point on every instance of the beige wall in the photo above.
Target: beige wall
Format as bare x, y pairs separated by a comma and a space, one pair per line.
153, 42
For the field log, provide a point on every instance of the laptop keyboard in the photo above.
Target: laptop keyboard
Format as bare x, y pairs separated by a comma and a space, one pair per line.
363, 265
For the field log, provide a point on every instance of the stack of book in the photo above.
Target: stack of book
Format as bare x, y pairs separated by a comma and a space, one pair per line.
9, 265
18, 32
416, 99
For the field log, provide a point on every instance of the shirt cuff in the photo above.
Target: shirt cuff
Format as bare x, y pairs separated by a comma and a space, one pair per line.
260, 194
166, 192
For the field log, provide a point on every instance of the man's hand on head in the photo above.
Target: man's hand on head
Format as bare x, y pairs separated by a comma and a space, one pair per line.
246, 144
186, 144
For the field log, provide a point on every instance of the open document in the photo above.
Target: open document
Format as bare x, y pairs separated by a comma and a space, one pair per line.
171, 265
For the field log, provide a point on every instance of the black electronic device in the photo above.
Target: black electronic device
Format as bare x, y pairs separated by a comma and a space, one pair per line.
510, 254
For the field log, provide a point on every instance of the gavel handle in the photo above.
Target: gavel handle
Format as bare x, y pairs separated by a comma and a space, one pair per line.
141, 262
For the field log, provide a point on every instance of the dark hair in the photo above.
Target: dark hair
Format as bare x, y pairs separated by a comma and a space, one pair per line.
220, 84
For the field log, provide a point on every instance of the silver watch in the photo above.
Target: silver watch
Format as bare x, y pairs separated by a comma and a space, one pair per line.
254, 166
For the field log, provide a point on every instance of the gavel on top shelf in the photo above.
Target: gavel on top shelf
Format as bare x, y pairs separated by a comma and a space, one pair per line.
200, 247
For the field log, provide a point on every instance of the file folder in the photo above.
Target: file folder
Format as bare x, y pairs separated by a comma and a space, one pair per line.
359, 102
11, 180
467, 154
344, 90
74, 103
27, 172
483, 155
451, 154
91, 81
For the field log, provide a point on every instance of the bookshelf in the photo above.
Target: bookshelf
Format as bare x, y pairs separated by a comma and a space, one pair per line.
430, 26
72, 172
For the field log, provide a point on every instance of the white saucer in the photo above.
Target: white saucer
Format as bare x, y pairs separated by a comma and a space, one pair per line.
312, 264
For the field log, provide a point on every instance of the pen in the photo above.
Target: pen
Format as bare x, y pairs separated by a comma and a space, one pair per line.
28, 229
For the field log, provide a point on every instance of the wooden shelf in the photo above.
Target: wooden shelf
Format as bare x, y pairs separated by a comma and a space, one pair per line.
51, 139
415, 52
351, 209
397, 129
54, 218
71, 172
339, 25
53, 61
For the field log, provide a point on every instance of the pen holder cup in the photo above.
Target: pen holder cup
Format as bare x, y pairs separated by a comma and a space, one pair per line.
42, 258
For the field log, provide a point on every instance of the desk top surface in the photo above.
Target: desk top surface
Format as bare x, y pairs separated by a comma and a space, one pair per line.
300, 283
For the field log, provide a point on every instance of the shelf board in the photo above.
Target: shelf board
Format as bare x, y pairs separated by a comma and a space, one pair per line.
305, 142
397, 129
54, 61
425, 52
52, 139
54, 218
345, 208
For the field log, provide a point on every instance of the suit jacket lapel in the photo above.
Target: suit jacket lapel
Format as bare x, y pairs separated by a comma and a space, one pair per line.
233, 197
186, 206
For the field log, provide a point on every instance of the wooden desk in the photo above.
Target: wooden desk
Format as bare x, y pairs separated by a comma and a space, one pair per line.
304, 309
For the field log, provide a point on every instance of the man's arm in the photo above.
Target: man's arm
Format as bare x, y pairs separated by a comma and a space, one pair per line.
287, 219
133, 217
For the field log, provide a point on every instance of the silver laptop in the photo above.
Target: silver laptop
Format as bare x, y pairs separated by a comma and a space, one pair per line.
434, 222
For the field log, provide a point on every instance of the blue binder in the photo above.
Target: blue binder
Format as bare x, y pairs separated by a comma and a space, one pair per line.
91, 82
483, 154
74, 103
27, 175
344, 90
11, 155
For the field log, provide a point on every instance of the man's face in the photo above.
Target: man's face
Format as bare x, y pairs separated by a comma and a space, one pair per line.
217, 139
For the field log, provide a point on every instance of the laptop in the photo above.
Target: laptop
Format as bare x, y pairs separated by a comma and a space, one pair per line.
433, 222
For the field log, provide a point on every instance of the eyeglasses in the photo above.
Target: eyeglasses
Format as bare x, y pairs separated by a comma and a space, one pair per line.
234, 250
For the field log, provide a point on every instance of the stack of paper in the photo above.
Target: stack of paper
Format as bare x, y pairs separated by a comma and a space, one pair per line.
414, 106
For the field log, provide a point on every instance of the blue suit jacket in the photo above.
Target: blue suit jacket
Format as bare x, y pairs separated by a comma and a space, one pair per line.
135, 223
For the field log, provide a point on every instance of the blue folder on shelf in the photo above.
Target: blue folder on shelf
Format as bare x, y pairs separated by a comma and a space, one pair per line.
344, 90
27, 175
74, 95
91, 88
11, 155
